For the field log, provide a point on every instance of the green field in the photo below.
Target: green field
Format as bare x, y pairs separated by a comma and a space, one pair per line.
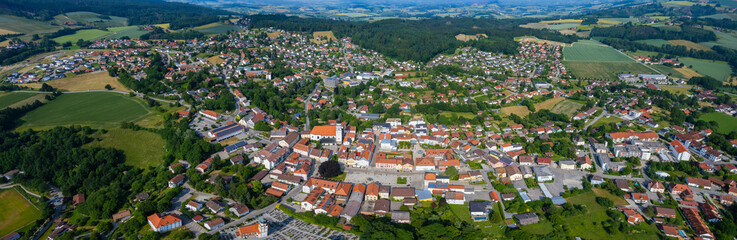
7, 99
567, 107
593, 51
130, 31
564, 26
726, 123
723, 39
24, 25
16, 211
604, 70
716, 69
216, 28
142, 149
98, 109
668, 71
90, 18
86, 34
655, 42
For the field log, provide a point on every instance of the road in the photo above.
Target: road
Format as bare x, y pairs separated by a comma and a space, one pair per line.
595, 119
307, 103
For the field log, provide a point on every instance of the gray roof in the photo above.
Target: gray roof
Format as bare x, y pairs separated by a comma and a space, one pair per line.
478, 206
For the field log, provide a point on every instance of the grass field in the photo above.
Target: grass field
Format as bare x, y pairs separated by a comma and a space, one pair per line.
564, 26
621, 20
675, 89
24, 25
564, 21
655, 42
142, 148
723, 39
216, 28
157, 120
606, 120
521, 111
690, 45
323, 35
8, 99
83, 82
567, 107
133, 32
353, 15
98, 109
672, 72
548, 104
604, 70
90, 18
726, 123
593, 51
466, 115
86, 34
589, 227
716, 69
16, 211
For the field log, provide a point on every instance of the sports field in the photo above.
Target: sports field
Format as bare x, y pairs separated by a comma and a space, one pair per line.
593, 51
604, 70
24, 25
716, 69
97, 109
83, 82
7, 99
142, 148
726, 123
16, 211
567, 107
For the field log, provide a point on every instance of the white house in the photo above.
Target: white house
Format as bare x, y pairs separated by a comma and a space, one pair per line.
679, 151
161, 223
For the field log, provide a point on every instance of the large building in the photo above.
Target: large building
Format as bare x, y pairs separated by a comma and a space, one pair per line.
163, 223
330, 134
618, 137
260, 230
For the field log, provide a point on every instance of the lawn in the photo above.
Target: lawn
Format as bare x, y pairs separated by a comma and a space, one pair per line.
716, 69
98, 109
593, 51
83, 82
466, 115
726, 123
589, 225
604, 70
142, 148
17, 212
7, 99
24, 25
521, 111
606, 120
567, 107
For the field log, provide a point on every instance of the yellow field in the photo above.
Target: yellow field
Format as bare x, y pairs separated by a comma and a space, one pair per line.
215, 24
83, 82
163, 25
733, 81
564, 21
567, 32
610, 22
675, 89
466, 38
521, 111
660, 17
687, 72
682, 3
216, 60
324, 37
5, 31
273, 35
39, 97
548, 104
690, 45
5, 43
537, 40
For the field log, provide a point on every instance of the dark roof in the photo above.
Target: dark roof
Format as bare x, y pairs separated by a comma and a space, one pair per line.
525, 216
478, 206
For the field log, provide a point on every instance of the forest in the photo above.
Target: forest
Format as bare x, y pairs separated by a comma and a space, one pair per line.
418, 40
642, 32
138, 12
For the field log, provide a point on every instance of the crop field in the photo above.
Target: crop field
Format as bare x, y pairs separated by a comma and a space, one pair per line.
132, 32
726, 123
716, 69
90, 18
564, 26
672, 72
593, 51
621, 20
142, 148
17, 212
564, 21
690, 45
675, 89
723, 39
24, 25
548, 104
604, 70
83, 82
8, 99
6, 32
681, 3
86, 34
687, 72
354, 15
521, 111
567, 107
97, 109
216, 28
655, 42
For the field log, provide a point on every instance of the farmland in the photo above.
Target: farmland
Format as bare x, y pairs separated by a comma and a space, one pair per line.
130, 31
726, 123
690, 45
86, 34
567, 107
593, 51
8, 99
98, 109
23, 25
90, 18
676, 89
83, 82
142, 149
723, 39
17, 212
604, 70
521, 111
715, 69
216, 28
548, 104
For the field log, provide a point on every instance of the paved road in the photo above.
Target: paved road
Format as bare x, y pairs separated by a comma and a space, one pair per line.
595, 119
307, 102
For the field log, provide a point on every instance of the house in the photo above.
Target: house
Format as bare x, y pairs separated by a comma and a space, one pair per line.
479, 210
656, 187
672, 231
382, 206
78, 198
679, 151
633, 217
513, 173
240, 209
259, 230
494, 197
596, 180
527, 218
401, 217
623, 185
567, 165
698, 182
372, 192
618, 137
453, 197
640, 198
12, 236
211, 115
543, 173
327, 134
214, 224
122, 216
665, 212
163, 223
214, 205
177, 180
193, 206
697, 224
400, 193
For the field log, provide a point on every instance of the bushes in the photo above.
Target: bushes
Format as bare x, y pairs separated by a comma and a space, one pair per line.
605, 202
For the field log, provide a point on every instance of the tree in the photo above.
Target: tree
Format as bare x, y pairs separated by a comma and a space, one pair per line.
108, 87
451, 171
605, 202
104, 227
329, 169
